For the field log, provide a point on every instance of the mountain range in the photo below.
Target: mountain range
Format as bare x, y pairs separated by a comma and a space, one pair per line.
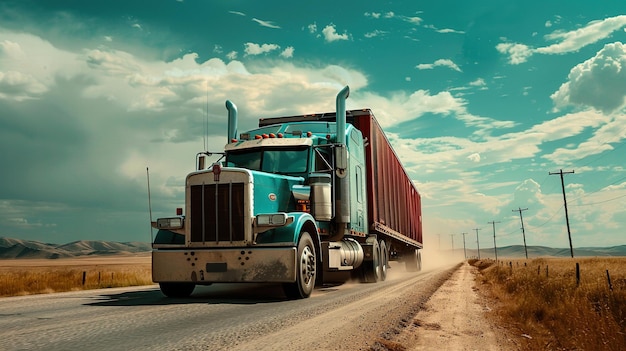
518, 251
16, 248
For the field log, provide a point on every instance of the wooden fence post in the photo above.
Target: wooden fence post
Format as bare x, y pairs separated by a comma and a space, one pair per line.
608, 277
84, 277
577, 274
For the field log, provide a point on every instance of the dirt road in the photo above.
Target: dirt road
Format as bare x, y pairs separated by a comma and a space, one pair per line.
455, 318
219, 317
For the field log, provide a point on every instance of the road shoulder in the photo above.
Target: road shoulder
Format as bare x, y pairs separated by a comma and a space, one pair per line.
455, 318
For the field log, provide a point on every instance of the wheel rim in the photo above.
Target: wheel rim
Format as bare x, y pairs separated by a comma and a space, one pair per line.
307, 265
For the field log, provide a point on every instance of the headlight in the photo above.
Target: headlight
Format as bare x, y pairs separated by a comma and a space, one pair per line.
273, 220
170, 223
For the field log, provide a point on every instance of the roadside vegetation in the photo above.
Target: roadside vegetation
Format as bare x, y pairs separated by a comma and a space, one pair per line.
15, 281
549, 304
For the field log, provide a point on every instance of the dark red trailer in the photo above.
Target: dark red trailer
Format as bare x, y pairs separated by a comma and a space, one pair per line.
394, 204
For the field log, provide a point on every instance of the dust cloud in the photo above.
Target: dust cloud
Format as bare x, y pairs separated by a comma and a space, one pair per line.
433, 258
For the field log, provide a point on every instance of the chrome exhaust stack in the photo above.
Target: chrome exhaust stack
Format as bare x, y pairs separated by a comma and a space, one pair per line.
232, 120
342, 183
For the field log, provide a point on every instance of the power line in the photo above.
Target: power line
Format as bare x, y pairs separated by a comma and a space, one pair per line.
601, 202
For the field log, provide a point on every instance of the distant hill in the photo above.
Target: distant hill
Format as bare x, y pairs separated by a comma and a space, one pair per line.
517, 251
15, 248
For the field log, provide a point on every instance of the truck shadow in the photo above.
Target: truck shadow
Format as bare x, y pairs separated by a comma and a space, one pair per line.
245, 294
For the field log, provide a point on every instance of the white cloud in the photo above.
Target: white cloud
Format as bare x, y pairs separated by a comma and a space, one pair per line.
375, 15
475, 157
288, 52
267, 24
567, 41
375, 33
330, 34
575, 40
599, 82
518, 53
232, 55
256, 49
413, 20
478, 83
20, 86
439, 63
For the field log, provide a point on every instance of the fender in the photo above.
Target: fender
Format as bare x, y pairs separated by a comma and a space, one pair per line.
165, 236
290, 233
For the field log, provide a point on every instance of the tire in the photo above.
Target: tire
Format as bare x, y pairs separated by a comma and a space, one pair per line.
384, 260
413, 262
371, 269
177, 289
419, 260
306, 263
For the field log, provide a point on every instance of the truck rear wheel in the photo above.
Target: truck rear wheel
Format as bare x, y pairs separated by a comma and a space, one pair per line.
306, 262
372, 268
384, 260
177, 289
413, 262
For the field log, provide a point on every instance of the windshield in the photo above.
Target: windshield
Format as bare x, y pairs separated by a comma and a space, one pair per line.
285, 161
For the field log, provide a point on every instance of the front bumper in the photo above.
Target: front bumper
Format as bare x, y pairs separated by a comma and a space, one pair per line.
203, 266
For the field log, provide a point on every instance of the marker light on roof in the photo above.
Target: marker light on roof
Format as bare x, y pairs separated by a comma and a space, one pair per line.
272, 135
308, 134
258, 137
280, 135
233, 140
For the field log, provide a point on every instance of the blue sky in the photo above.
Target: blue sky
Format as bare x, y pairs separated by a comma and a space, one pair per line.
481, 100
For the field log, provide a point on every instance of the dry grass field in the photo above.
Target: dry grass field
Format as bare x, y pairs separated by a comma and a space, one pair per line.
544, 302
38, 276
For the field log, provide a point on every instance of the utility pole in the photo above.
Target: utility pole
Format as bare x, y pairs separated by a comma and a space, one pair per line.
452, 236
523, 233
439, 235
495, 249
477, 241
464, 252
569, 235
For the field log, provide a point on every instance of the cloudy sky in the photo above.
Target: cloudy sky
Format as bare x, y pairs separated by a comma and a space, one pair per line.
481, 100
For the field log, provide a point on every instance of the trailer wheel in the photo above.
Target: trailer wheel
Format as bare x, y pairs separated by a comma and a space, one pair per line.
372, 268
413, 262
306, 262
384, 260
177, 289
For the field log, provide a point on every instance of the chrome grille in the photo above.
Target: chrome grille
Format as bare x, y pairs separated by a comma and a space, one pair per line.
217, 212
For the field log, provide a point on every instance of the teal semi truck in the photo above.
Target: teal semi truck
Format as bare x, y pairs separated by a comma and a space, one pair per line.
301, 200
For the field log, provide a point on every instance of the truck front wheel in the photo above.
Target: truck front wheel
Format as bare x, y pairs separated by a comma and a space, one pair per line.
177, 289
306, 262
